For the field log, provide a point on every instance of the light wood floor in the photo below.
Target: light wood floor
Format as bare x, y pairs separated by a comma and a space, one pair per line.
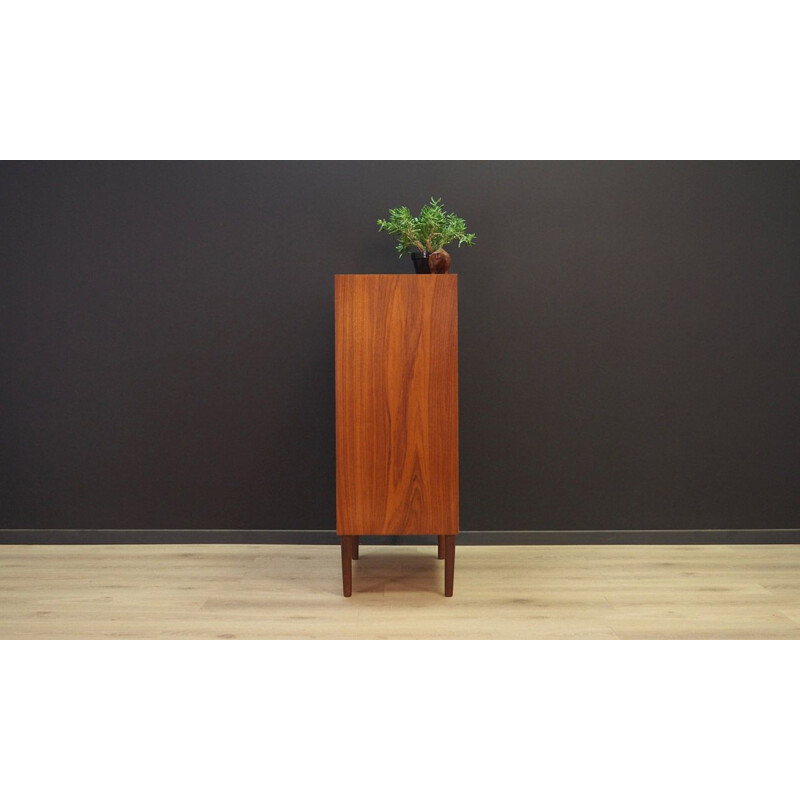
293, 591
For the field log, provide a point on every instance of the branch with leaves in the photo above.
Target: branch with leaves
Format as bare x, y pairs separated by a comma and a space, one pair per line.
429, 231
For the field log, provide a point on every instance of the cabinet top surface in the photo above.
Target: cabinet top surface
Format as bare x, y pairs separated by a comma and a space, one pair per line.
408, 275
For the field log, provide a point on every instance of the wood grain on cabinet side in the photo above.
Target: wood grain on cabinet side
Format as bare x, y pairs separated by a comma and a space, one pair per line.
396, 404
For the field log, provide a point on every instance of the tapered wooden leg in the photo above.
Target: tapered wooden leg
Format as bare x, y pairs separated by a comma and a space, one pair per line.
347, 565
441, 547
355, 548
449, 564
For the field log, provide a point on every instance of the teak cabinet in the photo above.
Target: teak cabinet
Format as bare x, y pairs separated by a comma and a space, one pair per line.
396, 411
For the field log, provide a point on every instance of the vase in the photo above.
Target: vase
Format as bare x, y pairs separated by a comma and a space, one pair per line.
421, 264
439, 261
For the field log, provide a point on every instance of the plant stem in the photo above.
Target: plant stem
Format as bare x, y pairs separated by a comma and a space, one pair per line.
413, 239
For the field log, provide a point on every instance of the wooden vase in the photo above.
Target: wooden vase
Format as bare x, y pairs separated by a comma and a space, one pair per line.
439, 261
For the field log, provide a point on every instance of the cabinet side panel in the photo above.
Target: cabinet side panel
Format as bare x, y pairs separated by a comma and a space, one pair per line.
396, 404
443, 406
361, 427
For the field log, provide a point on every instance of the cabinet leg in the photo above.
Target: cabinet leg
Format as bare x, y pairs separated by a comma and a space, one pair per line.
347, 565
449, 564
441, 547
355, 548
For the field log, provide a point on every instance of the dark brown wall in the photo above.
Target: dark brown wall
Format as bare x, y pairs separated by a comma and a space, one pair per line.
629, 341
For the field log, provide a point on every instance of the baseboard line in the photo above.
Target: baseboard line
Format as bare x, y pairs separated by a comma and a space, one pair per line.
469, 538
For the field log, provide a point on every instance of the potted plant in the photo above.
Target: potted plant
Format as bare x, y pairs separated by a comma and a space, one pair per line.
429, 232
